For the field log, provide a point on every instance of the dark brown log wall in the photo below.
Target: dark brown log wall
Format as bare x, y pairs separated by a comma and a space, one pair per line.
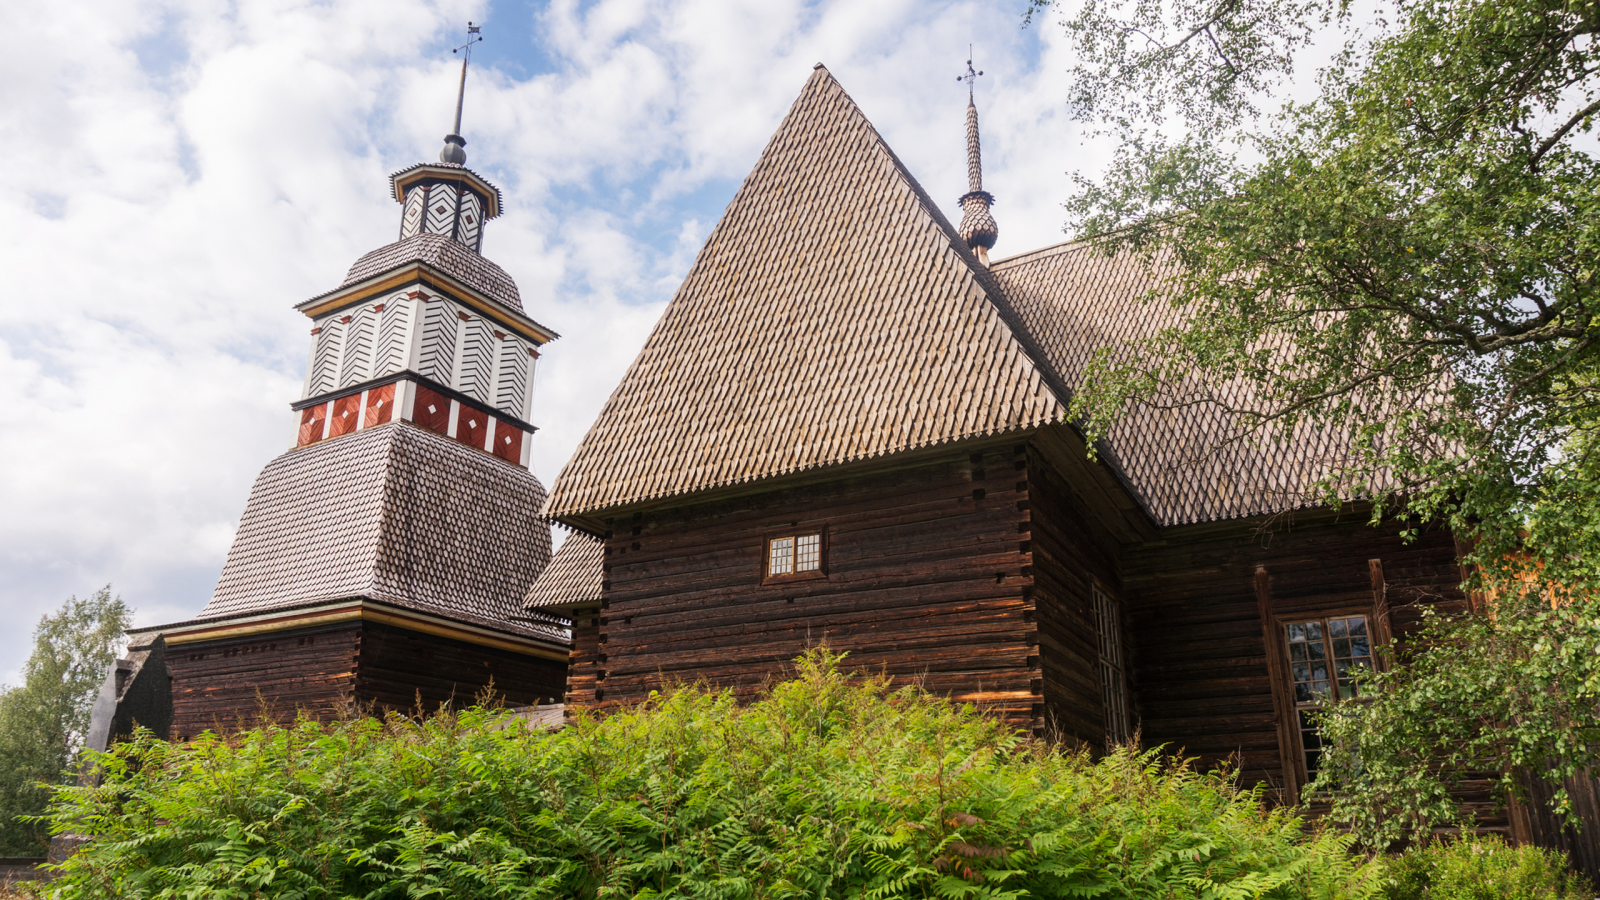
585, 659
1532, 821
926, 581
1069, 554
396, 666
227, 684
1201, 666
339, 669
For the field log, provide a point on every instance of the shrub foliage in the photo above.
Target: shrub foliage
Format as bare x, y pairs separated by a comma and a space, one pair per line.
830, 785
1482, 868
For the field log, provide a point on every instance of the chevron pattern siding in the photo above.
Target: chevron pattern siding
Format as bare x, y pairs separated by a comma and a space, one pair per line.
324, 375
393, 336
511, 393
357, 364
411, 218
469, 230
436, 358
475, 374
441, 214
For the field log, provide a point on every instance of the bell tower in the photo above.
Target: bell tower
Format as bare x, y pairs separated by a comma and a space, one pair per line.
383, 558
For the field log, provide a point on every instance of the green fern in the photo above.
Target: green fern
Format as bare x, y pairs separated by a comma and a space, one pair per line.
830, 785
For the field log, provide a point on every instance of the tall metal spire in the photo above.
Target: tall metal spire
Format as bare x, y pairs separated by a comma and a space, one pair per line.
978, 227
454, 144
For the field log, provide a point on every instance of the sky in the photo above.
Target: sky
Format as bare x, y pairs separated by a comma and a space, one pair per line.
181, 172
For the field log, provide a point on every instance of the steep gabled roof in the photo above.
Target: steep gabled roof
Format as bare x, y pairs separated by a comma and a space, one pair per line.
395, 514
833, 315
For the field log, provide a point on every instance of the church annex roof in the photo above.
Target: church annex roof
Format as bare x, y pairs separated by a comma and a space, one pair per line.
395, 514
444, 254
1072, 299
573, 579
833, 315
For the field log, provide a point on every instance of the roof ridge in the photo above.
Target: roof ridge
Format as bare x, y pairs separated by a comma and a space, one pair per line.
1049, 250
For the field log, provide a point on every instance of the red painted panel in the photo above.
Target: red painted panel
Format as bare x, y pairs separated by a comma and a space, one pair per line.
380, 405
346, 413
311, 419
472, 426
508, 442
432, 410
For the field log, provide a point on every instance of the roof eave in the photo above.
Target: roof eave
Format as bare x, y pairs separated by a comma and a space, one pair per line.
399, 181
417, 270
328, 612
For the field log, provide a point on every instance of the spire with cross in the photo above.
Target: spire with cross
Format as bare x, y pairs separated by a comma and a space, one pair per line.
971, 75
446, 197
978, 227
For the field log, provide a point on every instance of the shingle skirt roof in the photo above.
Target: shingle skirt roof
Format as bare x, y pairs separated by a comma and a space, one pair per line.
392, 513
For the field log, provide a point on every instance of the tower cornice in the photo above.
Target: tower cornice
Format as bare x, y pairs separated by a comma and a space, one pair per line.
404, 179
417, 272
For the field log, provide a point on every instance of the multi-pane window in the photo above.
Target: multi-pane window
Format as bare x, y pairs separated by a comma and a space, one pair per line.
1324, 655
794, 554
1113, 674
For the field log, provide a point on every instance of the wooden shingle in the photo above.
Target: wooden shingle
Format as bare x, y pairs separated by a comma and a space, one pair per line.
833, 315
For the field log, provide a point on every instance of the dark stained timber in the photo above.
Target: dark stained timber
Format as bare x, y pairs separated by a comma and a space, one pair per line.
343, 669
925, 578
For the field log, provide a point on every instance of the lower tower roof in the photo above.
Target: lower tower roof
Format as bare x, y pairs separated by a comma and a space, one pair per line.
394, 514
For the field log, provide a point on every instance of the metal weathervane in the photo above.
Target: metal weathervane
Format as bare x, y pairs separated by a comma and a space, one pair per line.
971, 75
465, 50
454, 144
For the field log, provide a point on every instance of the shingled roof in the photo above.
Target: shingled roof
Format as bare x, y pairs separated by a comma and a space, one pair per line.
835, 315
832, 315
394, 514
573, 579
448, 256
1184, 465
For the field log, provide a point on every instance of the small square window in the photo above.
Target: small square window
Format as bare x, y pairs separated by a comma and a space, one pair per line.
795, 556
808, 553
780, 556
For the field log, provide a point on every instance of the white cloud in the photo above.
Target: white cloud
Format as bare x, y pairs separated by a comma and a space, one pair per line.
182, 172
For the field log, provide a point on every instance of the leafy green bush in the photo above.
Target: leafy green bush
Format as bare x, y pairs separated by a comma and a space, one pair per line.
828, 786
1481, 868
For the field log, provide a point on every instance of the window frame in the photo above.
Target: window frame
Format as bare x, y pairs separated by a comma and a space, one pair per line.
1119, 666
1376, 632
818, 574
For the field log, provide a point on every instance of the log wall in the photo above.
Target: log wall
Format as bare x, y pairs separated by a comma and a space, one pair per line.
1069, 556
396, 667
339, 669
1194, 602
227, 684
926, 580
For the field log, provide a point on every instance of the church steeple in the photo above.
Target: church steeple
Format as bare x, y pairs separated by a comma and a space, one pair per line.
447, 197
978, 227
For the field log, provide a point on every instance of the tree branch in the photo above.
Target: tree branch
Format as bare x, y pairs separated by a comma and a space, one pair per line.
1554, 139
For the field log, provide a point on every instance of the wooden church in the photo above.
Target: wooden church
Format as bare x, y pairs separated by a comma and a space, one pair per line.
849, 426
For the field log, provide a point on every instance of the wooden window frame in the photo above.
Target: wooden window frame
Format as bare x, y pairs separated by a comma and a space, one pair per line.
1281, 622
1119, 666
1286, 716
818, 574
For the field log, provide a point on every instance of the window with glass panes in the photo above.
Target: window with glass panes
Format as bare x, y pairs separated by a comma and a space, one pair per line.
1113, 676
794, 554
1324, 654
